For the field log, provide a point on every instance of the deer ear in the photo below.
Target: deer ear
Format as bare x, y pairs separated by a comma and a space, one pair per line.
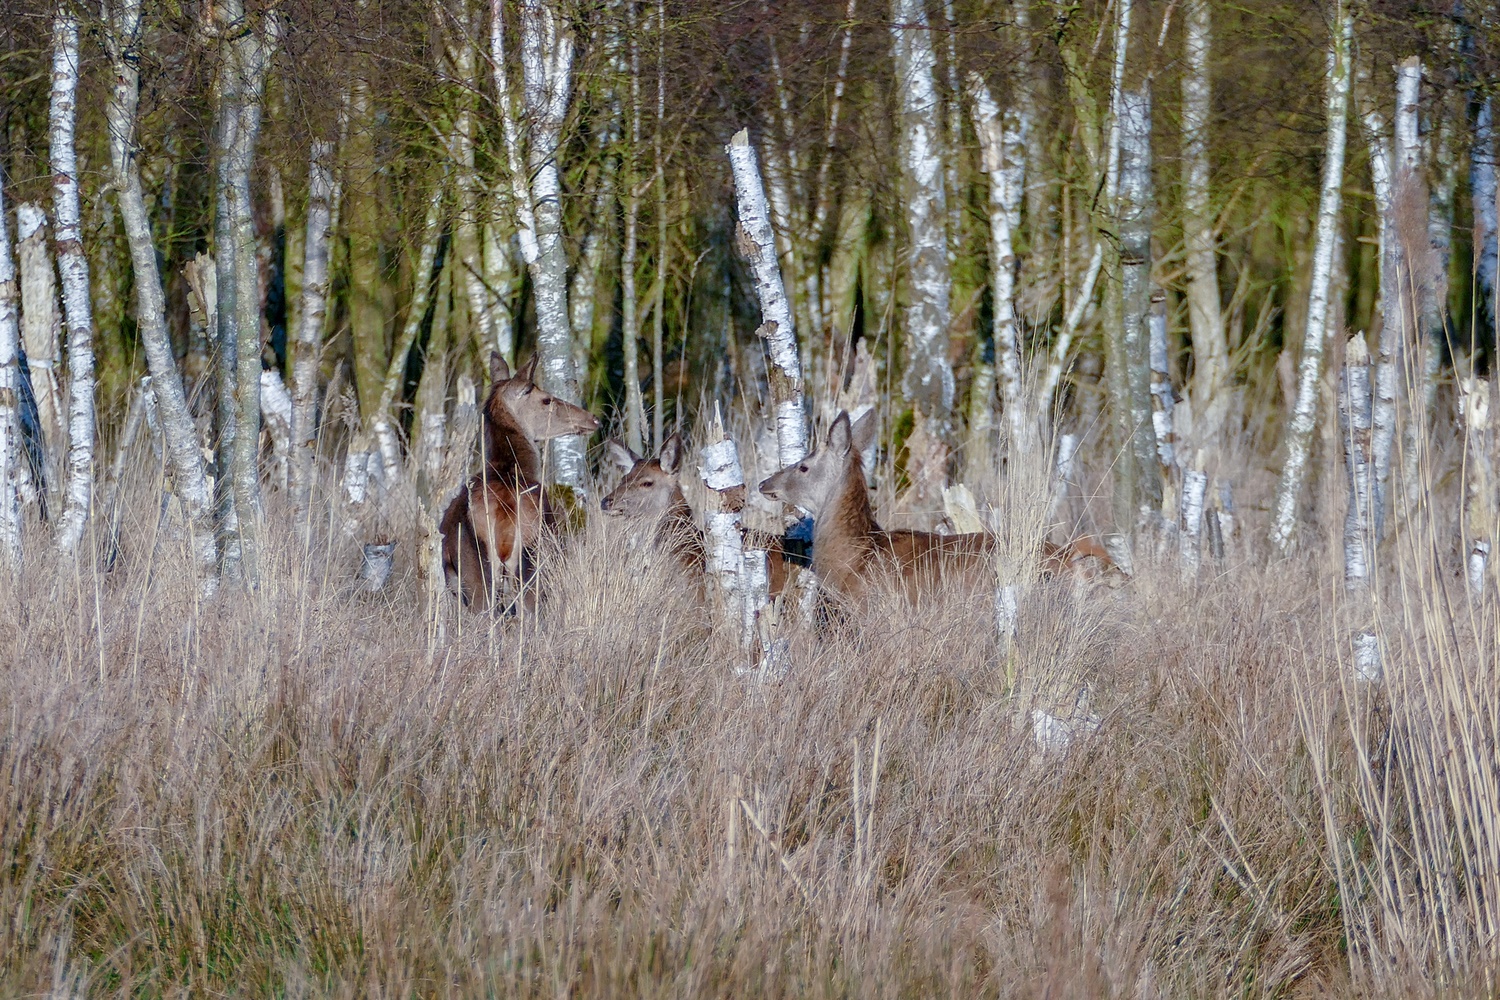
499, 370
863, 430
528, 370
620, 455
839, 437
670, 458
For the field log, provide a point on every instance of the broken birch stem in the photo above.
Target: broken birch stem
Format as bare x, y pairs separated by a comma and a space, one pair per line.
725, 479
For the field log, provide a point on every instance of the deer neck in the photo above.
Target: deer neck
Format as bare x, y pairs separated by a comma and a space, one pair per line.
509, 453
677, 531
843, 535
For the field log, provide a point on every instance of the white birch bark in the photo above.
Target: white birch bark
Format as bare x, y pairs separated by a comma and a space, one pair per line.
547, 67
1190, 526
74, 268
1356, 422
1162, 399
1435, 303
383, 426
1205, 317
725, 479
928, 380
41, 324
10, 410
635, 410
245, 56
510, 130
276, 408
1479, 480
467, 241
322, 196
757, 244
584, 289
499, 277
167, 396
1482, 196
1309, 372
1071, 322
1002, 143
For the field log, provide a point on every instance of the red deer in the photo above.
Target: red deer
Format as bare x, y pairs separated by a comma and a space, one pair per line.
851, 552
651, 494
492, 528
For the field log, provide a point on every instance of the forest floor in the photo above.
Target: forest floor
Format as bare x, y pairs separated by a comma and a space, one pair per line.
313, 791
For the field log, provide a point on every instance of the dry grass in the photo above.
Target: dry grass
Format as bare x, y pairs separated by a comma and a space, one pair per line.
309, 792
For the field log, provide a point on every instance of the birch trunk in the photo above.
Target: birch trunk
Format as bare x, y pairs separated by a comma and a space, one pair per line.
1482, 192
1163, 416
322, 196
630, 335
1138, 486
383, 426
1310, 369
1356, 421
370, 297
1205, 318
276, 407
432, 389
1434, 317
658, 318
725, 499
245, 56
170, 404
74, 268
757, 244
499, 281
510, 131
10, 411
1190, 526
928, 380
1480, 482
40, 325
467, 244
584, 289
547, 64
1002, 142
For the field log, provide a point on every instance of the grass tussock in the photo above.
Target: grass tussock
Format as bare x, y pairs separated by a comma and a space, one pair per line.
311, 791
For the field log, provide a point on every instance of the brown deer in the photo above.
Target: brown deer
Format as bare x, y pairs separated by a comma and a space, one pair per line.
651, 494
492, 528
851, 552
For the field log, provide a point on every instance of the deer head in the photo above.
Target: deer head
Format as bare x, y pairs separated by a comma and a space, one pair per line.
541, 415
818, 479
650, 488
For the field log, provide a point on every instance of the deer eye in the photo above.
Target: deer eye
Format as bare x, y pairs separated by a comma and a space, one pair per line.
648, 484
547, 401
802, 467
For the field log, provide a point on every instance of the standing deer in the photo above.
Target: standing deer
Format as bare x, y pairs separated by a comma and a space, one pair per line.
852, 553
651, 495
492, 528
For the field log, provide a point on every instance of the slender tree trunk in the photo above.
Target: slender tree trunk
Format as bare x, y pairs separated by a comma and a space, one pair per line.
432, 390
1210, 389
1002, 141
547, 64
928, 381
40, 325
631, 333
1138, 485
467, 245
322, 196
370, 298
1356, 421
499, 279
189, 478
1482, 192
1479, 481
725, 480
74, 268
1434, 320
658, 318
10, 411
584, 289
1310, 370
244, 59
384, 423
1163, 403
510, 131
757, 245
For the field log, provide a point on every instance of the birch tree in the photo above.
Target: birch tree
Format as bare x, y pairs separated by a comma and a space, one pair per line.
40, 325
10, 393
189, 478
928, 380
1205, 317
1310, 368
1002, 143
757, 243
322, 196
547, 68
630, 319
246, 43
73, 266
1482, 196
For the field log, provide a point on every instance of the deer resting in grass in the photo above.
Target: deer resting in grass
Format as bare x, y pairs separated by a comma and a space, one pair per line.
852, 553
492, 528
651, 495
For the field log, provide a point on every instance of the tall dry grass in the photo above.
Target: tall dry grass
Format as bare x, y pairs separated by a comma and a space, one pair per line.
310, 791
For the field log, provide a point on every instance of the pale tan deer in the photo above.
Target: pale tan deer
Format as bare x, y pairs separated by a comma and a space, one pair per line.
492, 528
852, 553
651, 495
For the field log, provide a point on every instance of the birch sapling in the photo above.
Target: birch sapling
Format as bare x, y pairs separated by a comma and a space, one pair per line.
1356, 422
1002, 143
757, 244
10, 415
40, 326
1209, 394
73, 266
725, 500
322, 196
928, 381
1288, 498
165, 392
